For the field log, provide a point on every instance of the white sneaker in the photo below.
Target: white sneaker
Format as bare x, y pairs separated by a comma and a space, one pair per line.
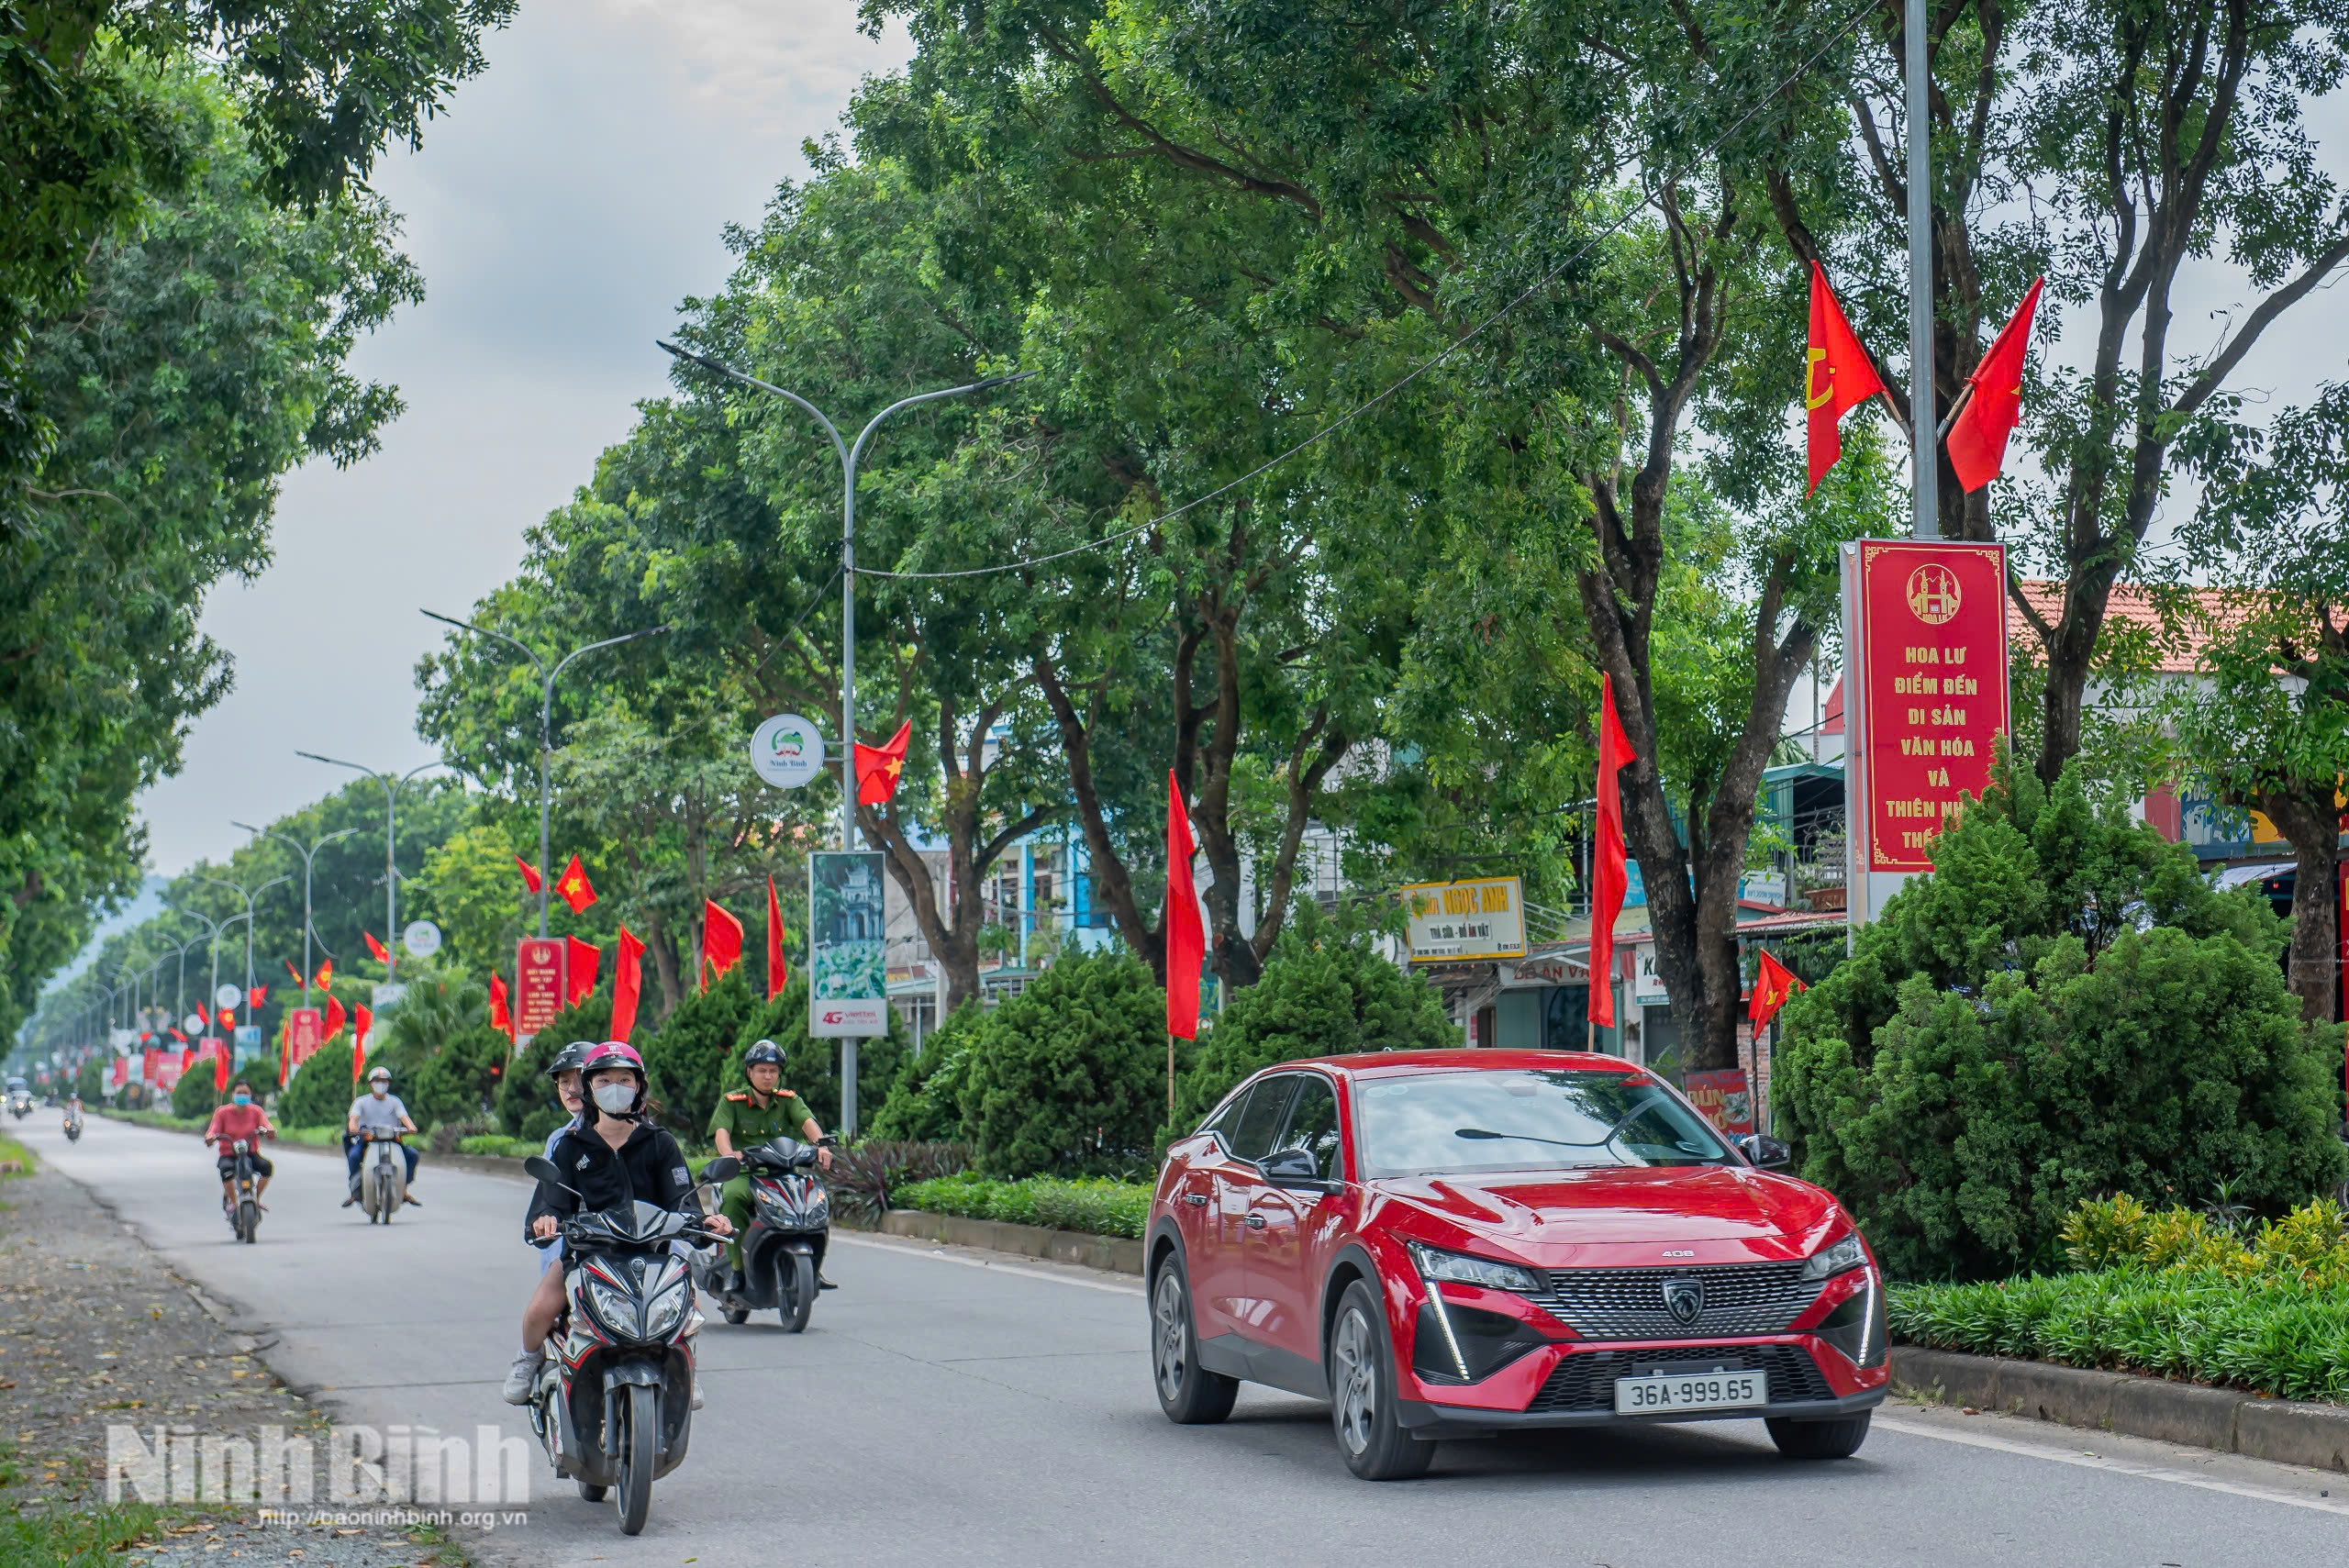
696, 1394
522, 1375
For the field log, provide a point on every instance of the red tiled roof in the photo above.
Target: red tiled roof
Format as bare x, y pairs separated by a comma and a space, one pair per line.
2180, 648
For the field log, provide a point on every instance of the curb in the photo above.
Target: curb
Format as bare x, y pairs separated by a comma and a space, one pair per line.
1116, 1254
2283, 1431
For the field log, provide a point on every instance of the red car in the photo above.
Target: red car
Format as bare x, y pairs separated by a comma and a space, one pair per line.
1453, 1243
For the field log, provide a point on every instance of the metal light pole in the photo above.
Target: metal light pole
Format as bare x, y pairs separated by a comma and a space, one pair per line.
1924, 432
851, 455
213, 929
546, 723
248, 917
307, 855
392, 787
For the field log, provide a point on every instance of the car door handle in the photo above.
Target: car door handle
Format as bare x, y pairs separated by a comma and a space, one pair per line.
1195, 1200
1255, 1222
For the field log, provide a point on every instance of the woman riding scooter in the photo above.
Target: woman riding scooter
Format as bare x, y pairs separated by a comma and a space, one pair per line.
546, 1301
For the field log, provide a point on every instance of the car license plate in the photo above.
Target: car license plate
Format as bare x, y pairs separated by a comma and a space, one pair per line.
1673, 1391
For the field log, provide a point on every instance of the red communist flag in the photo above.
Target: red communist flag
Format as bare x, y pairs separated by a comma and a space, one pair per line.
326, 976
359, 1041
228, 1017
576, 890
257, 996
628, 977
201, 1016
778, 972
336, 1017
878, 768
529, 873
1773, 985
1609, 878
1178, 921
1977, 437
382, 955
220, 1068
499, 1017
721, 941
292, 972
581, 963
1838, 376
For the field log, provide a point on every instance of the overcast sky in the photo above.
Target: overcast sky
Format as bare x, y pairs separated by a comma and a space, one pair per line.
573, 193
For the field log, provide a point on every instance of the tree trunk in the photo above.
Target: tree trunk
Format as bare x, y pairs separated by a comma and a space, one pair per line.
663, 949
1112, 884
2312, 823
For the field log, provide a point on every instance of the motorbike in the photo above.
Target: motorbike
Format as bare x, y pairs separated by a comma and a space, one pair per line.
245, 1218
20, 1105
613, 1407
383, 1177
73, 1129
783, 1247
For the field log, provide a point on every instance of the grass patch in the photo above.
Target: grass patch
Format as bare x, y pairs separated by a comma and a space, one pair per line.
1094, 1205
498, 1147
89, 1538
10, 1149
163, 1120
311, 1137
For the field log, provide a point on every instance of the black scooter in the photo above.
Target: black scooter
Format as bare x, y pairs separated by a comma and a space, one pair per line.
613, 1407
783, 1247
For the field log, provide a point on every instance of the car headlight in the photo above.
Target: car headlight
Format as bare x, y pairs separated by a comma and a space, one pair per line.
1841, 1258
1460, 1268
664, 1313
616, 1310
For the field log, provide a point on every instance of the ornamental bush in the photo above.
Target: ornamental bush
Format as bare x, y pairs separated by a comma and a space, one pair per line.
2063, 1010
924, 1102
1324, 992
811, 1067
195, 1096
1069, 1077
687, 1059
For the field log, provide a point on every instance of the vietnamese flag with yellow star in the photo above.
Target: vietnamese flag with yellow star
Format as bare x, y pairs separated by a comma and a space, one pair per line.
878, 768
576, 890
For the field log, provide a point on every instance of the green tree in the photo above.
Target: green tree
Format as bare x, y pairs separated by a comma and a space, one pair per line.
811, 1067
1069, 1076
320, 1092
689, 1059
526, 1106
925, 1104
2060, 1010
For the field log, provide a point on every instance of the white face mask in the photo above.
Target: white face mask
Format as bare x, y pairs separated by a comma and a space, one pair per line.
615, 1097
380, 1089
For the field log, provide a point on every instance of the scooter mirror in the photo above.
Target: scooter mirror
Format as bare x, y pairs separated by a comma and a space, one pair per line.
725, 1168
542, 1169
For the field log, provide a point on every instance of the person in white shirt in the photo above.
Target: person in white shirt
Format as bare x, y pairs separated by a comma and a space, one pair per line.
377, 1110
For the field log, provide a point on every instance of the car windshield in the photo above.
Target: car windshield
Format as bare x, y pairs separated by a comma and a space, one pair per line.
1439, 1123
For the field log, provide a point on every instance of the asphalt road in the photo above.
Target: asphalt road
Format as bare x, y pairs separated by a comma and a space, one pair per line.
950, 1408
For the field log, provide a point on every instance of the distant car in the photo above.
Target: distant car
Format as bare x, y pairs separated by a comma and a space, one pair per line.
1457, 1242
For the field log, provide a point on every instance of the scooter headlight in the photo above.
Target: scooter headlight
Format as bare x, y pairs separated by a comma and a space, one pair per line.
668, 1309
615, 1310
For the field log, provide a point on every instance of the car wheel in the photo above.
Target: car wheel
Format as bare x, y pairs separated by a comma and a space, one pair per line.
1362, 1394
1819, 1439
1189, 1394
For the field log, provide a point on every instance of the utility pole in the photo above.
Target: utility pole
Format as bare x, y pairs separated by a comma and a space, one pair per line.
546, 724
392, 787
307, 855
851, 455
1924, 431
248, 918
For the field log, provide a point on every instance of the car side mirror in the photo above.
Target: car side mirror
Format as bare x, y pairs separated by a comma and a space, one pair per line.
1295, 1170
1766, 1152
725, 1168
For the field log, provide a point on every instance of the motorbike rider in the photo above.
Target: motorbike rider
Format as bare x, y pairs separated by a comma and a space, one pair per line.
614, 1155
240, 1119
377, 1110
546, 1299
752, 1116
72, 1108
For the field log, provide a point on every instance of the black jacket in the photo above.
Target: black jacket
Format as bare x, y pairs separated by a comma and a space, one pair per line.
649, 1166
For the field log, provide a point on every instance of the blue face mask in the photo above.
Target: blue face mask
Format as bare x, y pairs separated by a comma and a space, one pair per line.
244, 1100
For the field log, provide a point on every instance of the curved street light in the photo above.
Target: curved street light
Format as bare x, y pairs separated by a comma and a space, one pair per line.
248, 918
392, 787
308, 856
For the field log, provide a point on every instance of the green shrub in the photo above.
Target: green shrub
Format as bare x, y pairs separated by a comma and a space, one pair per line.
2063, 1010
924, 1102
194, 1096
498, 1146
687, 1060
1069, 1076
865, 1179
319, 1093
1093, 1205
811, 1067
1324, 992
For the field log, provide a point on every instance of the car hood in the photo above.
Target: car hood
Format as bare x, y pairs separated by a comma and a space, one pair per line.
1559, 1217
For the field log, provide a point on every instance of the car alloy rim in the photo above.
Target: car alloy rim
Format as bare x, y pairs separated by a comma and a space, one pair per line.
1173, 1334
1357, 1391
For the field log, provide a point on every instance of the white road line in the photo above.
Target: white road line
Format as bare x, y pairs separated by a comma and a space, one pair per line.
944, 1257
2117, 1466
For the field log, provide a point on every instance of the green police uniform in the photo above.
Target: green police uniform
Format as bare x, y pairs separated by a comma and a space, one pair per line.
748, 1124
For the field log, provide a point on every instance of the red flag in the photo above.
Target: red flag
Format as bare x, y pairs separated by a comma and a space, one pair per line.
499, 1018
201, 1016
627, 975
326, 976
576, 890
1609, 878
1773, 985
1179, 920
721, 941
228, 1017
778, 974
181, 1038
359, 1043
581, 964
529, 873
336, 1017
220, 1068
382, 955
257, 996
878, 768
1977, 437
1838, 376
294, 973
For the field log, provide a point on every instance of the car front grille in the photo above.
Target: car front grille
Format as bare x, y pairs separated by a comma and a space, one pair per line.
1586, 1381
1634, 1304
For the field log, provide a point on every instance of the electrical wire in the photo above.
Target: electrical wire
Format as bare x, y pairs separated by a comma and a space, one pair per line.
1439, 357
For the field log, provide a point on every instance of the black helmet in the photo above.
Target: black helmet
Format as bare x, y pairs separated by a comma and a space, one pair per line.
765, 1050
570, 1057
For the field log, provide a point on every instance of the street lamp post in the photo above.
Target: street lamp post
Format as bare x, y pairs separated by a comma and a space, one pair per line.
213, 929
308, 856
248, 917
546, 723
392, 787
851, 455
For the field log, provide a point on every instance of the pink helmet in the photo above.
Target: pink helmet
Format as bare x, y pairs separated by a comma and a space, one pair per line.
614, 1056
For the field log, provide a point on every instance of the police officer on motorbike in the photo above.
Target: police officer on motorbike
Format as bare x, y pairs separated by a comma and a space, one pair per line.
748, 1118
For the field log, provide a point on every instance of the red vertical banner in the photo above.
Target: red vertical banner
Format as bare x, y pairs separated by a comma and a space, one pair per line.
306, 1030
538, 985
1934, 683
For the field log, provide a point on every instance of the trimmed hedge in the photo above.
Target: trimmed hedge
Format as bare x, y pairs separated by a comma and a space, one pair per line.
1095, 1206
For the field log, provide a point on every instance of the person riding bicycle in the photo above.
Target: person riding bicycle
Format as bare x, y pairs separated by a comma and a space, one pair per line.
746, 1119
240, 1119
377, 1110
613, 1156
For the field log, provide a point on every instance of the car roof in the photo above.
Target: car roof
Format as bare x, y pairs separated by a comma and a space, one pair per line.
1399, 1063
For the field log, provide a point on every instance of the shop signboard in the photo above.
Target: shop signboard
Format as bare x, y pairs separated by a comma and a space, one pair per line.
848, 990
538, 985
1452, 921
1723, 1098
1648, 989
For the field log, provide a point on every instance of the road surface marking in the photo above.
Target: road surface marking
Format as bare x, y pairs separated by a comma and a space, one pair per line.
945, 1257
2117, 1466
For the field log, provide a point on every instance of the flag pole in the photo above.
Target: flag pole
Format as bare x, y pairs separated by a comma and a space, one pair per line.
1924, 442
